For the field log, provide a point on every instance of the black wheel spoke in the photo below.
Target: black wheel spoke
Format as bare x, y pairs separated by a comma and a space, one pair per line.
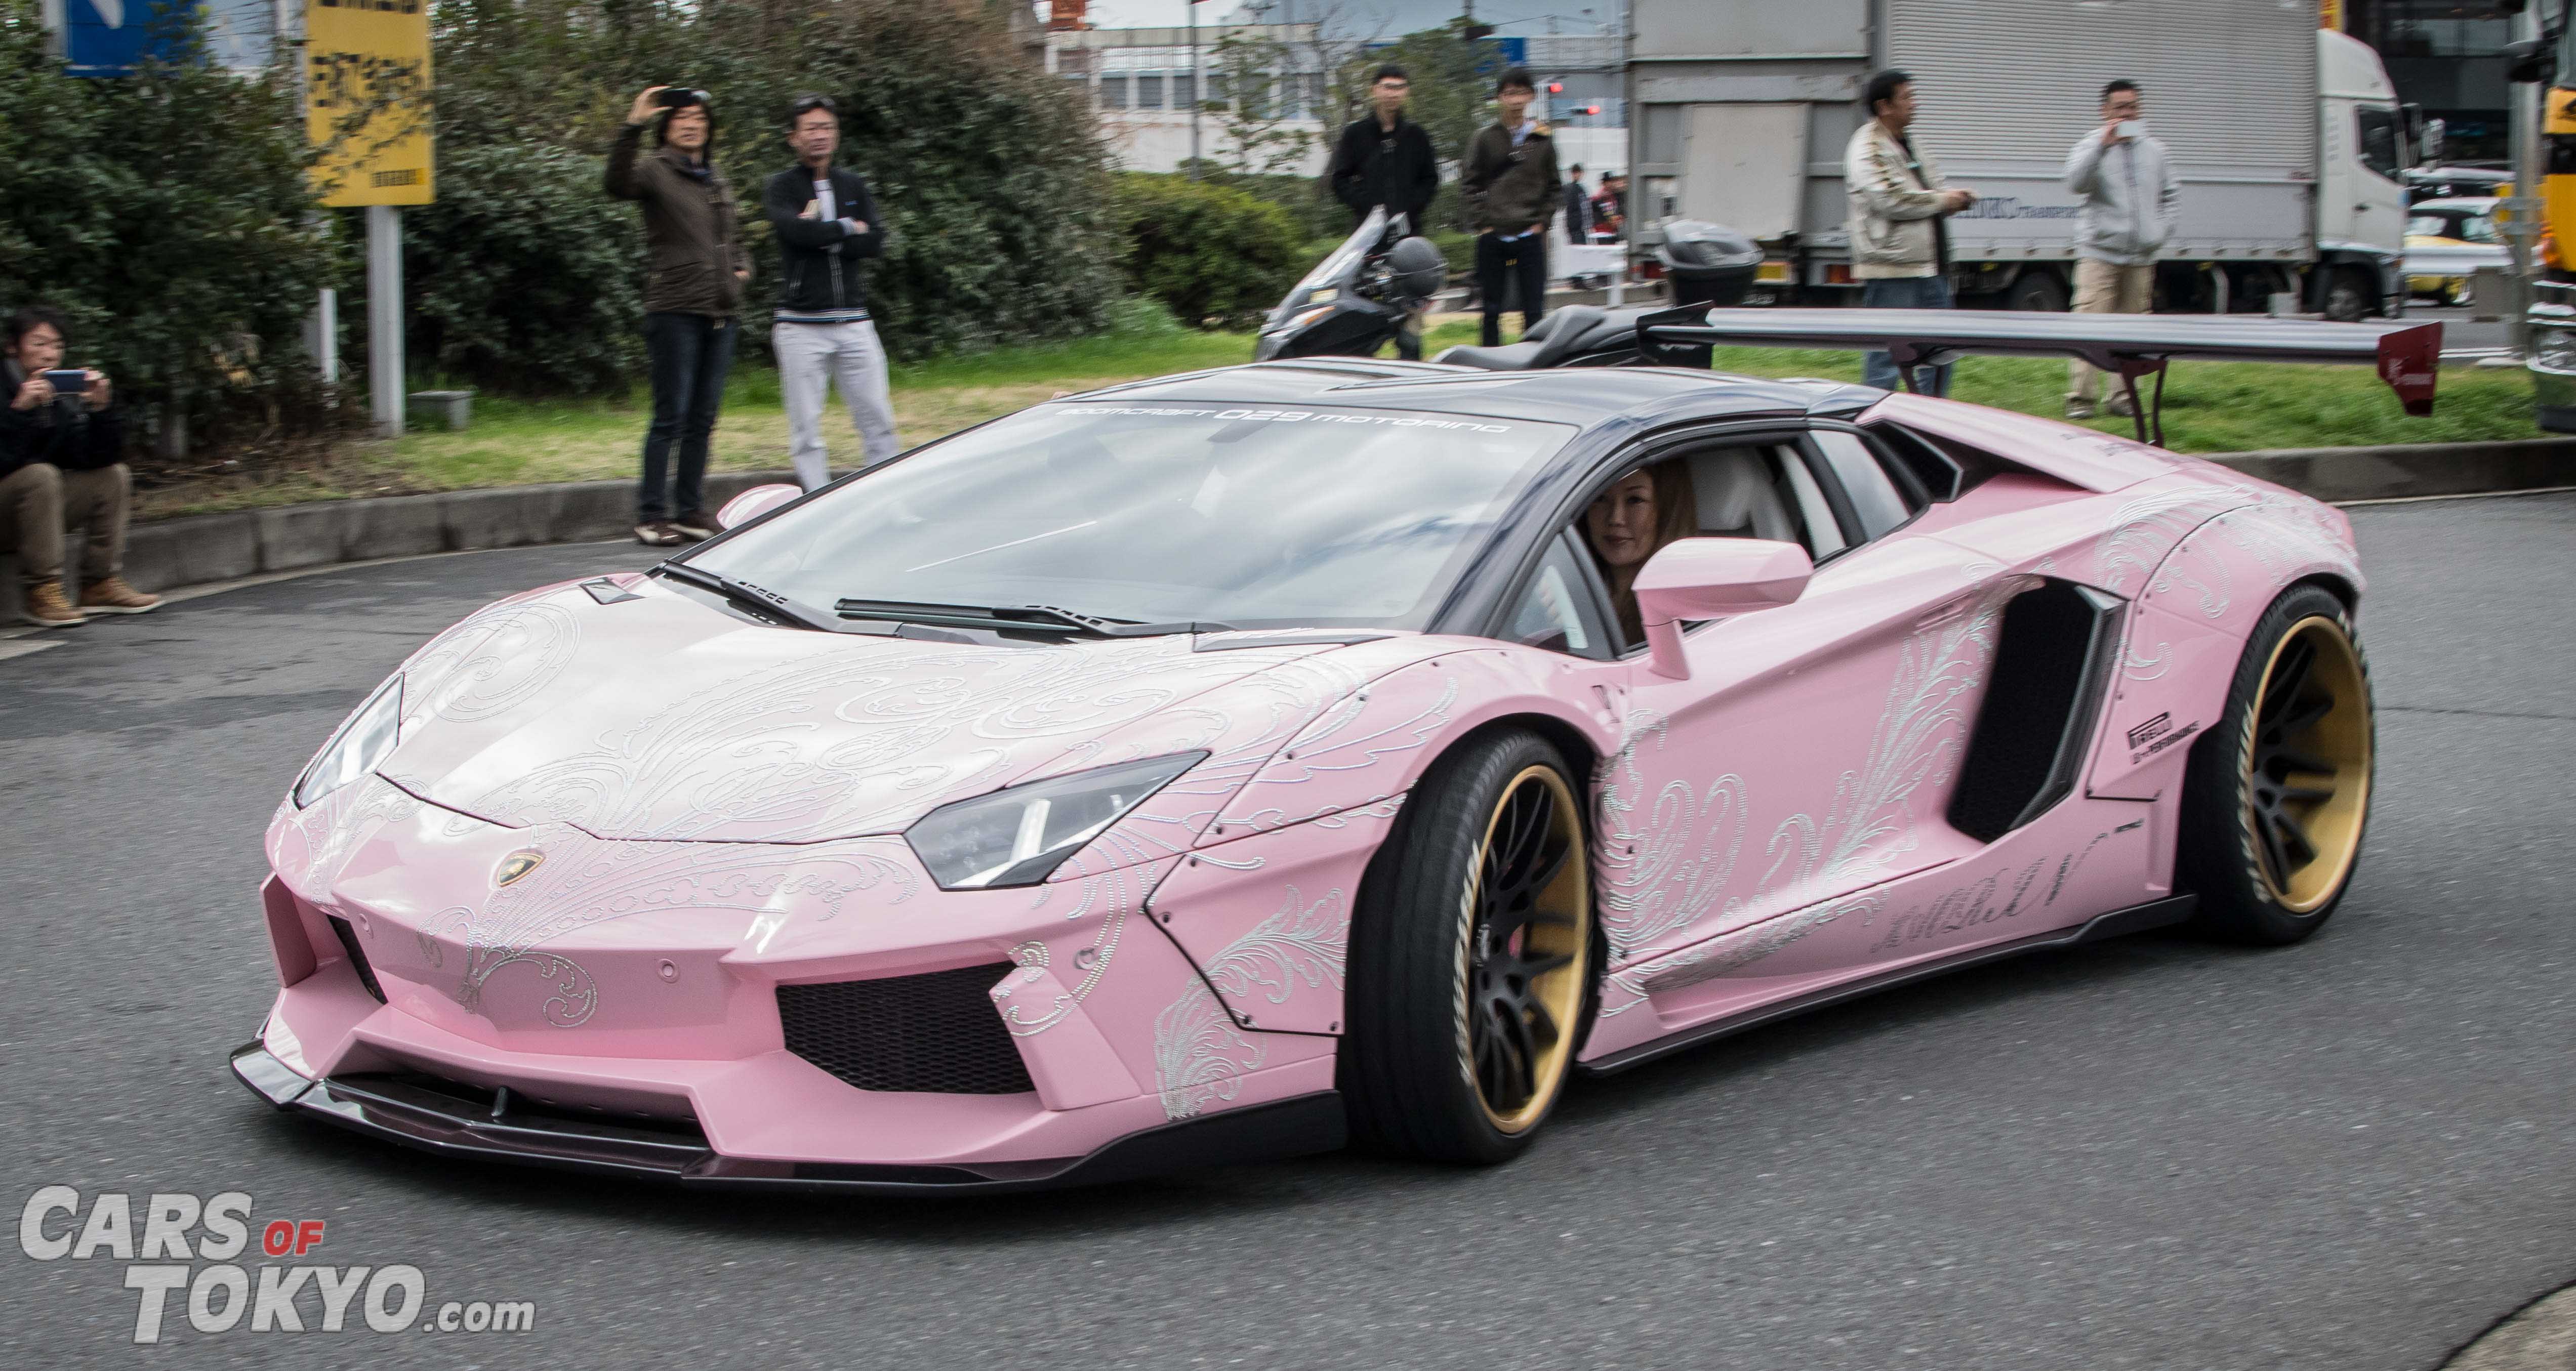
2274, 857
2285, 762
2295, 835
2306, 792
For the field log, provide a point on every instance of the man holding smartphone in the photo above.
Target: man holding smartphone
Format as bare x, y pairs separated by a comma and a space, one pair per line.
61, 466
2130, 198
691, 297
826, 223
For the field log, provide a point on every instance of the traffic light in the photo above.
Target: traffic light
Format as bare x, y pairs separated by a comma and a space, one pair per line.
1556, 88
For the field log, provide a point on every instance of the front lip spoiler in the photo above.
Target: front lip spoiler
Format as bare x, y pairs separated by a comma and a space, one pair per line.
449, 1127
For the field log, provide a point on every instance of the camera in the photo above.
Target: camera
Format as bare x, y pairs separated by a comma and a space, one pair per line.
673, 97
68, 381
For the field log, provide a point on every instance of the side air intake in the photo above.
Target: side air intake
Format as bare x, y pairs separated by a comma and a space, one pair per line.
2050, 671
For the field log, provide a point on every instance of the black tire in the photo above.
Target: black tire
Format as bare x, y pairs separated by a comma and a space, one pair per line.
2276, 796
2037, 291
1429, 1066
2349, 296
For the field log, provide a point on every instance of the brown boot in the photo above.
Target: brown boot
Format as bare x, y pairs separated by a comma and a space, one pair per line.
44, 606
114, 596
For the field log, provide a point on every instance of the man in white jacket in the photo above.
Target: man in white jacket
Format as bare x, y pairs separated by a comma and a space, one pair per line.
1898, 207
2130, 196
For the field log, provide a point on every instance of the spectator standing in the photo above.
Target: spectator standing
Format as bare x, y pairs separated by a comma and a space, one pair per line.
1511, 187
61, 466
692, 299
1610, 208
2130, 198
826, 222
1386, 159
1900, 244
1578, 208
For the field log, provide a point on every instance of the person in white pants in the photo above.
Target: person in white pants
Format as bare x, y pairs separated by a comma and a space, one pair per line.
826, 222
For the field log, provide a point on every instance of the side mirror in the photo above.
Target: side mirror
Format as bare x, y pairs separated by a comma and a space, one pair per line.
753, 503
1709, 578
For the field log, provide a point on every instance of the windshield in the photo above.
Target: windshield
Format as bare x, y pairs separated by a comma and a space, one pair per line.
1336, 264
1153, 513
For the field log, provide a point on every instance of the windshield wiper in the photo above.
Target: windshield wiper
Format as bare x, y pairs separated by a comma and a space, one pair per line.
769, 604
1016, 618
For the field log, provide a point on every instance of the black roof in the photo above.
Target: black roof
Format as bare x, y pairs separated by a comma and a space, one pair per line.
1582, 396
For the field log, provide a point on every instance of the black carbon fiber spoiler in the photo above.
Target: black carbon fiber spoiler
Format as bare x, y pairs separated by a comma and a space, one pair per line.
2407, 356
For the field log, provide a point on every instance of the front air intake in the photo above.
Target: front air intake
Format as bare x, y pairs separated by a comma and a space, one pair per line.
357, 956
936, 1033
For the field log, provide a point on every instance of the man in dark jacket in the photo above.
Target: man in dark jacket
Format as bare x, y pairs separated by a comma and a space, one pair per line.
691, 297
61, 466
1578, 207
1511, 185
826, 221
1386, 159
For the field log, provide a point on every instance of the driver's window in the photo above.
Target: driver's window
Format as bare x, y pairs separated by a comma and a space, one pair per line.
1560, 610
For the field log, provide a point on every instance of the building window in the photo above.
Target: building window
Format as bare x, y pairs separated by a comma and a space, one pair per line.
1184, 91
1113, 92
1149, 91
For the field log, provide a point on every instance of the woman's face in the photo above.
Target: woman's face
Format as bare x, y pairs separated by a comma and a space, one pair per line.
1622, 522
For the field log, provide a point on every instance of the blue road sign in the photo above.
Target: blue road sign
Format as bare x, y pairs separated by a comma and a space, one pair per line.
109, 37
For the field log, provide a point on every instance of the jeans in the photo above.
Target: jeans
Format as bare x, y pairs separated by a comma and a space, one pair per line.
1523, 262
814, 356
1905, 292
691, 354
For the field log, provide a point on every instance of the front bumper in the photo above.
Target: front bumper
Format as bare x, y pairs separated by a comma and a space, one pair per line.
447, 1120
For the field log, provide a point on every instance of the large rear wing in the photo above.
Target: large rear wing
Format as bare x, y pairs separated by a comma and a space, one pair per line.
2129, 345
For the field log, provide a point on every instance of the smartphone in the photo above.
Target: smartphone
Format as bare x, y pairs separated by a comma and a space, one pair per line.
2131, 128
673, 97
68, 381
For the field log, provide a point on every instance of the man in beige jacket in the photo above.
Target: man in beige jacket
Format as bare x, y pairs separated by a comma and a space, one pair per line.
1900, 246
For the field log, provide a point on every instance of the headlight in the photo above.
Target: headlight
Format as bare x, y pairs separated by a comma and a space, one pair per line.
1021, 835
1304, 319
354, 751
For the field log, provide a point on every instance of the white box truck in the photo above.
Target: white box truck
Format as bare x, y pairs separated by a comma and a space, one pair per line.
2288, 139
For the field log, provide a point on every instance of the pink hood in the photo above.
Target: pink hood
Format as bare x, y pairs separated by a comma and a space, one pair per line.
659, 717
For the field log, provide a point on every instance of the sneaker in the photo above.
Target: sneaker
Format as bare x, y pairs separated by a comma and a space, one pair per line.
2079, 409
658, 533
2120, 405
113, 596
45, 606
695, 524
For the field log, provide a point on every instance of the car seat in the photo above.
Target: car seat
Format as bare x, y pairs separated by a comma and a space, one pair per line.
1737, 498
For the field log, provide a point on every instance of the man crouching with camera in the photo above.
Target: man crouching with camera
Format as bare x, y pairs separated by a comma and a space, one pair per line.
60, 445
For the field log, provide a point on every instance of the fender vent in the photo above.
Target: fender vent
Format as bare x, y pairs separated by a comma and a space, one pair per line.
2046, 689
936, 1033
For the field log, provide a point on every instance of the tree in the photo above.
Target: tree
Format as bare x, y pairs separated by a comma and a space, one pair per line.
1246, 71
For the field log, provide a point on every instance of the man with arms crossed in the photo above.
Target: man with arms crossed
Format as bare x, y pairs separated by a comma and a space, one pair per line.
826, 222
1386, 159
2130, 197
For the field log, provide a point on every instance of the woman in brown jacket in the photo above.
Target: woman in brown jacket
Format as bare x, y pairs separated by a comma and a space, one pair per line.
692, 295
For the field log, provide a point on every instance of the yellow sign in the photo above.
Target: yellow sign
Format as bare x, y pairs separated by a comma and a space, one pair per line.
367, 101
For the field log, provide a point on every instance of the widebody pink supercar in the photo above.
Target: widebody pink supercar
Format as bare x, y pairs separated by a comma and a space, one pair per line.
628, 884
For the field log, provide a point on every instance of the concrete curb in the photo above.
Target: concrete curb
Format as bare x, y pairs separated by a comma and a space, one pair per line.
2385, 473
224, 547
2539, 1337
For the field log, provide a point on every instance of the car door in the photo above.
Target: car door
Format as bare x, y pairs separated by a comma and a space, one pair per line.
1808, 754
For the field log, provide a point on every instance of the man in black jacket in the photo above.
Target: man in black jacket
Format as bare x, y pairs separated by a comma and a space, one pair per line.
1386, 159
826, 222
61, 465
691, 297
1578, 207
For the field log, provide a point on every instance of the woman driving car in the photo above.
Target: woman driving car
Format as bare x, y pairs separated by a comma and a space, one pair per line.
1631, 521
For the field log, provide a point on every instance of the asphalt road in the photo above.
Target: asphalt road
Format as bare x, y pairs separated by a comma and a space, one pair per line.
2352, 1154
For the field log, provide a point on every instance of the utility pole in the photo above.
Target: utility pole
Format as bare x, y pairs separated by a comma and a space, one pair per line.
2522, 144
384, 318
1195, 101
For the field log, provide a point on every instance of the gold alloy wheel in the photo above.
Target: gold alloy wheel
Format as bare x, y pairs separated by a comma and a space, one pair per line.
1522, 966
2307, 764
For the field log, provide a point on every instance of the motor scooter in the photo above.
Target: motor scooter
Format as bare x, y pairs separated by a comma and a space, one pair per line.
1356, 300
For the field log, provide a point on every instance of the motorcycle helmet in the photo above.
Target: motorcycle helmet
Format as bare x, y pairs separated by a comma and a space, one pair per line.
1416, 268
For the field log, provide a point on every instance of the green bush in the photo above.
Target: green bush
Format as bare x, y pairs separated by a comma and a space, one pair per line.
168, 216
521, 278
1215, 256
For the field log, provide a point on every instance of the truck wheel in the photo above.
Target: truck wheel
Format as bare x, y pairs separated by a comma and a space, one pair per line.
2348, 297
2038, 292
